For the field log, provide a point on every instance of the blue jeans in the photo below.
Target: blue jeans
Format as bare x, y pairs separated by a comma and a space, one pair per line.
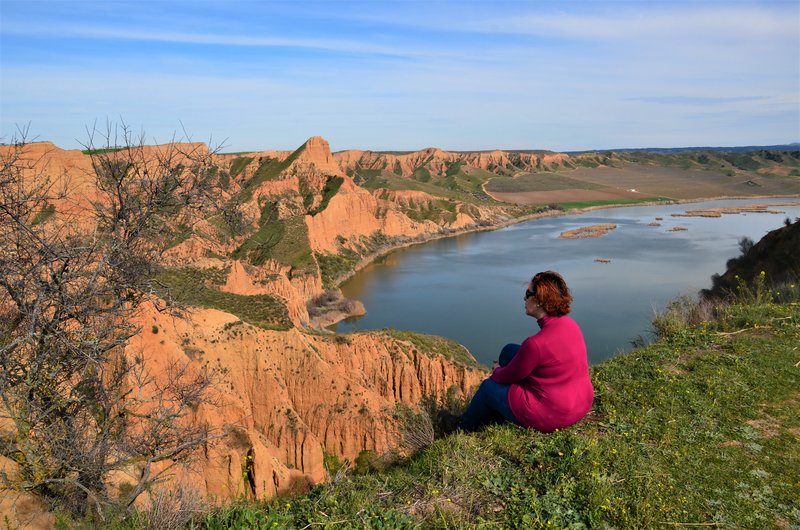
490, 403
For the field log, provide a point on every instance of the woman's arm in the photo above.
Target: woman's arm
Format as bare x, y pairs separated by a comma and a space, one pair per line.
521, 366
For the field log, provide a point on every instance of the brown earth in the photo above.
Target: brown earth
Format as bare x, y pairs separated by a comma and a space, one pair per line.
676, 183
568, 195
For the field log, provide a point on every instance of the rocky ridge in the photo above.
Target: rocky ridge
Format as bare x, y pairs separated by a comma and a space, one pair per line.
439, 162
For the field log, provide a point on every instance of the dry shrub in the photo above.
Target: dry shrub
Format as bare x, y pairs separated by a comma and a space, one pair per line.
417, 432
80, 405
682, 313
173, 509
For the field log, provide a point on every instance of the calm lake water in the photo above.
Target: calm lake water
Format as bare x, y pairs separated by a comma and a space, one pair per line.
470, 288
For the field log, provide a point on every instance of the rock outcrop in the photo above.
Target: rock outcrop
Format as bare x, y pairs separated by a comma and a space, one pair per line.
288, 398
438, 162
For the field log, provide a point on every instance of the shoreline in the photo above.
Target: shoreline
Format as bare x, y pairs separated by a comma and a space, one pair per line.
371, 258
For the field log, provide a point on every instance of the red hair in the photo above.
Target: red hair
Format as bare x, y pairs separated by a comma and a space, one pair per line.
551, 293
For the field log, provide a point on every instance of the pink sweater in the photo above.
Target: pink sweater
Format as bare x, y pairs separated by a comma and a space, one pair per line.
549, 377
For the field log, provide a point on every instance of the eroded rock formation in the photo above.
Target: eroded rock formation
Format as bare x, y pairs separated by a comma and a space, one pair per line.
290, 397
438, 162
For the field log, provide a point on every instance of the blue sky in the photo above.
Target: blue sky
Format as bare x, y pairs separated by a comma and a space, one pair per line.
406, 75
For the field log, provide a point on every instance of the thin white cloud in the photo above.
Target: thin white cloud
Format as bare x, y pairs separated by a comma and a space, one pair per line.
118, 33
606, 21
695, 100
735, 23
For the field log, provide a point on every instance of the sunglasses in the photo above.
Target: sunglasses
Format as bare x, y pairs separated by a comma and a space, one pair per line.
529, 293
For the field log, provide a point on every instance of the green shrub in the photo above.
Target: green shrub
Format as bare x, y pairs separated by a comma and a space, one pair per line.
44, 214
239, 164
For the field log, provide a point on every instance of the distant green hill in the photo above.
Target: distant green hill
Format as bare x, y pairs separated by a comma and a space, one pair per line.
665, 150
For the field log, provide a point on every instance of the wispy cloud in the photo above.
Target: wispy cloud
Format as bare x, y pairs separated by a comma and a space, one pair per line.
695, 100
734, 22
122, 33
612, 21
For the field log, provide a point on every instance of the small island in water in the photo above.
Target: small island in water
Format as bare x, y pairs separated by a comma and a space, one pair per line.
588, 231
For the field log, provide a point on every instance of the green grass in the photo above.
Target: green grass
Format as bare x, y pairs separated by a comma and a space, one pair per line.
101, 151
714, 160
330, 189
699, 428
433, 345
198, 287
465, 186
454, 168
182, 233
538, 182
332, 267
258, 247
224, 180
743, 161
268, 169
439, 211
421, 174
284, 240
611, 202
238, 164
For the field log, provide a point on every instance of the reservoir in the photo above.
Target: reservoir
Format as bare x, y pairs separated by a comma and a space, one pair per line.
470, 288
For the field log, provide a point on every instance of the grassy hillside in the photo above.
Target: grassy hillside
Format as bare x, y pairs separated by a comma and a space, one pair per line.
701, 428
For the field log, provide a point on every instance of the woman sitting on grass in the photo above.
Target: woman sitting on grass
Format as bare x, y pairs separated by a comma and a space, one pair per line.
544, 383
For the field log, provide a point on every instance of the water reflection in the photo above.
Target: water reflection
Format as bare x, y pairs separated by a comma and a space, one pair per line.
470, 287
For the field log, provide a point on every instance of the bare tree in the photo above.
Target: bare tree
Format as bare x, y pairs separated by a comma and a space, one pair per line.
76, 405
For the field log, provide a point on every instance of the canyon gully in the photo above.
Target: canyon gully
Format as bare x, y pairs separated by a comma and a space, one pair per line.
470, 288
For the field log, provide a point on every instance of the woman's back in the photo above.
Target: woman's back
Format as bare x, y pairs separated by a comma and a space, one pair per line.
550, 374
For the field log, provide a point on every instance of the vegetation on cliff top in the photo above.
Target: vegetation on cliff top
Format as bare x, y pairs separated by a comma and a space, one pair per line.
700, 428
199, 287
777, 255
434, 345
